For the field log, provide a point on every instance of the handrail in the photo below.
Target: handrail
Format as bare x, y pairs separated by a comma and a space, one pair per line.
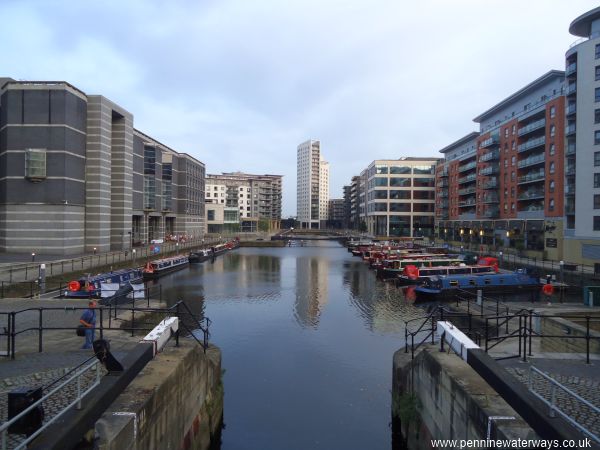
4, 427
552, 402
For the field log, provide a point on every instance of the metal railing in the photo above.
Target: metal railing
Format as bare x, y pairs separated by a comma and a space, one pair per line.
552, 402
75, 375
188, 320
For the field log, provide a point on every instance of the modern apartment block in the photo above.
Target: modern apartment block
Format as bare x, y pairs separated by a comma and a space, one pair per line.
312, 185
399, 197
503, 185
251, 197
335, 213
76, 176
582, 163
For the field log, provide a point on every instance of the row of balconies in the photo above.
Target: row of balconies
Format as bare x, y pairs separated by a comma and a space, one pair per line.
493, 140
532, 143
532, 177
491, 183
489, 170
531, 161
531, 194
532, 127
467, 179
467, 191
570, 129
467, 166
490, 156
466, 203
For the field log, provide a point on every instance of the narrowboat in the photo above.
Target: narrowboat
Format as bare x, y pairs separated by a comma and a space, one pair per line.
200, 256
395, 267
92, 286
413, 275
445, 287
159, 267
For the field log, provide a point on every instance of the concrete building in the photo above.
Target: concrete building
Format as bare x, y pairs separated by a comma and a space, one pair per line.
504, 184
347, 190
399, 198
255, 198
335, 213
582, 161
74, 176
312, 185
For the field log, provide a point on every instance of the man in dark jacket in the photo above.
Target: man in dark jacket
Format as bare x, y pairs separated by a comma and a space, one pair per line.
88, 320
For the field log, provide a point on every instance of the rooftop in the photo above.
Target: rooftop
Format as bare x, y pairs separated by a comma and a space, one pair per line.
463, 140
582, 26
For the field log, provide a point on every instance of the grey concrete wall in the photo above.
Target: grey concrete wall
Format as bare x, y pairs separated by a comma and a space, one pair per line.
175, 403
121, 181
454, 402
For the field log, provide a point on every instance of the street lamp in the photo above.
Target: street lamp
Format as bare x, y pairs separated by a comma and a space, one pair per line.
177, 247
501, 260
561, 287
481, 240
94, 250
133, 252
32, 256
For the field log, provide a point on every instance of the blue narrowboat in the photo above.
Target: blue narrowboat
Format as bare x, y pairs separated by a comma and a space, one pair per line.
159, 267
445, 287
91, 287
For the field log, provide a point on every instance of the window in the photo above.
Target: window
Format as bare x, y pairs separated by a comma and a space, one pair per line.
424, 195
396, 194
551, 205
512, 192
512, 176
597, 116
512, 206
424, 170
596, 201
513, 160
597, 95
551, 186
597, 180
403, 182
552, 112
514, 145
35, 163
506, 163
552, 149
596, 159
208, 194
514, 129
381, 170
552, 131
400, 169
381, 181
506, 132
423, 182
597, 75
381, 195
216, 188
596, 223
597, 137
597, 51
399, 207
210, 215
552, 167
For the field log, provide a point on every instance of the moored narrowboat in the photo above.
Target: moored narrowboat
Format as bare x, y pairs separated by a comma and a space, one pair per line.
159, 267
92, 286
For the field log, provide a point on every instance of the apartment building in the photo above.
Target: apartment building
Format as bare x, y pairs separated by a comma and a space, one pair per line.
252, 198
504, 184
77, 176
312, 192
335, 213
582, 130
399, 197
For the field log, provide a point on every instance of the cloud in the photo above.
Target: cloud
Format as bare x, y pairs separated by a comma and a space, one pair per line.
240, 84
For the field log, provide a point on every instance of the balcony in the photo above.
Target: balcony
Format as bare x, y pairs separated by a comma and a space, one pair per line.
571, 109
443, 194
533, 177
532, 161
571, 69
491, 183
532, 127
490, 156
570, 207
491, 198
570, 171
468, 166
489, 170
570, 129
443, 204
442, 184
531, 144
489, 142
467, 191
570, 190
443, 173
468, 179
444, 216
532, 194
571, 148
491, 213
466, 203
571, 89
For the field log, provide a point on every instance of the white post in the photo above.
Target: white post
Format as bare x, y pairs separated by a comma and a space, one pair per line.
479, 296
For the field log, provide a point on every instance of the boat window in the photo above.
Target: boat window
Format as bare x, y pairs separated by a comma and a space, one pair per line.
454, 283
487, 281
472, 282
501, 280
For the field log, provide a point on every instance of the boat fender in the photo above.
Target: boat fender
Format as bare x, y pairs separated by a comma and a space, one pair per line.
74, 286
548, 290
412, 272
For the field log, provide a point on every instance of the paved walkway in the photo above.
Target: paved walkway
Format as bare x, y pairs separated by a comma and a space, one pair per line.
574, 374
61, 349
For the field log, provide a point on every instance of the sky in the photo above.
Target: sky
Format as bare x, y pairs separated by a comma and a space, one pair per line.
239, 84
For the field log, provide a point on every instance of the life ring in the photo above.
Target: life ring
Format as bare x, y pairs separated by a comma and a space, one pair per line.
148, 268
548, 289
411, 272
74, 286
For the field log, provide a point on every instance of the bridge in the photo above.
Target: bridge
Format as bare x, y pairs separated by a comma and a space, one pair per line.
314, 235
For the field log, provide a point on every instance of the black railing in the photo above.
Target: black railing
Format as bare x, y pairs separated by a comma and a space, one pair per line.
179, 309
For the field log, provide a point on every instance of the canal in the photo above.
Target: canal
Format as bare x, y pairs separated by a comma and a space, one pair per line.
307, 336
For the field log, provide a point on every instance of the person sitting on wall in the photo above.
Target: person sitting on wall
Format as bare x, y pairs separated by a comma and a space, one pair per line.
88, 320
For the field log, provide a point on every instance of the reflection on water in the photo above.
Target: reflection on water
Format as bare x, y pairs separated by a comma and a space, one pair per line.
307, 336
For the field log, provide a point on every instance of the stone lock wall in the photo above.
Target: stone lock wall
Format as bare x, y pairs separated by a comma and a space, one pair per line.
176, 402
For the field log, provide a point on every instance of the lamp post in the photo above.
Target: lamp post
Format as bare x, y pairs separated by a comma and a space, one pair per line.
481, 241
177, 247
462, 232
501, 260
561, 287
94, 250
133, 253
32, 256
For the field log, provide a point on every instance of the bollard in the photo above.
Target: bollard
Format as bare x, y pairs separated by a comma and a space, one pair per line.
42, 279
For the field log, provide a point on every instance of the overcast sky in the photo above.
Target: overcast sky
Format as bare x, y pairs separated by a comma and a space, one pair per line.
240, 83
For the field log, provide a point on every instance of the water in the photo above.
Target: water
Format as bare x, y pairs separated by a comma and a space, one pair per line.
307, 336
